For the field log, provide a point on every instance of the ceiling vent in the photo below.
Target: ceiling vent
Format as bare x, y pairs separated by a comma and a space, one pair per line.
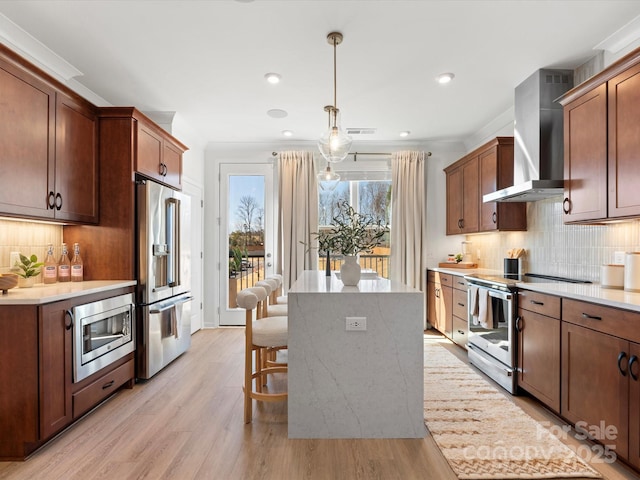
361, 131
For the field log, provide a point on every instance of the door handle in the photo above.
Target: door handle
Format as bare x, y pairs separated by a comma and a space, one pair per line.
632, 360
58, 201
621, 357
566, 205
69, 315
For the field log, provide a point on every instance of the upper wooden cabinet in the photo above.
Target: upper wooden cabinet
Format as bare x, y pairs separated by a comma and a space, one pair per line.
48, 161
601, 118
485, 170
159, 156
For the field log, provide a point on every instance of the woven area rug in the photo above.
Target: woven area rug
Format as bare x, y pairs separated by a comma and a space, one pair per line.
481, 433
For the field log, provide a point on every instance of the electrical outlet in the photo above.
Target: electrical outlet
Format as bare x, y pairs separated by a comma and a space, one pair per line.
356, 324
618, 258
14, 257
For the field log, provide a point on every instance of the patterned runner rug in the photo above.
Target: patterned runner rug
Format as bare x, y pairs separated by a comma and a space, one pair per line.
481, 433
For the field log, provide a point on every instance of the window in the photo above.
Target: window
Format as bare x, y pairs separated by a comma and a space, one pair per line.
371, 197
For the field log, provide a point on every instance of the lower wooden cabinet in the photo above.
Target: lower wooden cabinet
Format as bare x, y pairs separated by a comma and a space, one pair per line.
38, 398
440, 301
538, 330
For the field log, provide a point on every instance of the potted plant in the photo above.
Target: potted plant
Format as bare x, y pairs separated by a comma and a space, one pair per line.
28, 268
350, 234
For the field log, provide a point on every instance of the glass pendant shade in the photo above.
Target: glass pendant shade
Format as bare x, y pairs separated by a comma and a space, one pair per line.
328, 180
334, 145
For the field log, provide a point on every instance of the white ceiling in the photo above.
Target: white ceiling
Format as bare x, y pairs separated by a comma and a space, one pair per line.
206, 60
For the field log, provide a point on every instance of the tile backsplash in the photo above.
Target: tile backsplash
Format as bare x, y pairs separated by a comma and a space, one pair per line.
27, 238
553, 248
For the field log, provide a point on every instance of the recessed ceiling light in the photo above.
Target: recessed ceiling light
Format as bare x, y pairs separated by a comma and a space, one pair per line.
445, 78
273, 78
405, 133
277, 113
287, 133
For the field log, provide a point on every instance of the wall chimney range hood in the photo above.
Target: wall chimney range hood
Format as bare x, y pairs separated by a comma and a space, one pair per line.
538, 168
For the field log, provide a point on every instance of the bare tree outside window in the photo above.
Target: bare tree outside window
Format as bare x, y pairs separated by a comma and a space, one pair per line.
247, 212
328, 203
373, 199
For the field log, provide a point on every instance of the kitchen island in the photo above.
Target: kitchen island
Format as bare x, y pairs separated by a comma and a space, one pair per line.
364, 383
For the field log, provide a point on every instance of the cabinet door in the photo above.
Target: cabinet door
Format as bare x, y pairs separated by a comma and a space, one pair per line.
634, 405
55, 368
624, 143
471, 196
539, 357
432, 301
27, 108
445, 313
488, 184
76, 181
593, 389
455, 196
149, 153
585, 157
172, 159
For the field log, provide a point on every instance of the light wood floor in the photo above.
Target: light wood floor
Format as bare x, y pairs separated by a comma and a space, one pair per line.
187, 423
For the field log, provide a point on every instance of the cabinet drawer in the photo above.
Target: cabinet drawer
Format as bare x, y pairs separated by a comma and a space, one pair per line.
460, 329
539, 303
460, 309
614, 321
441, 278
460, 283
95, 392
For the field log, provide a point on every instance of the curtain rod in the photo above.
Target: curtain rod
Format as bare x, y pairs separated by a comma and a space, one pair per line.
355, 154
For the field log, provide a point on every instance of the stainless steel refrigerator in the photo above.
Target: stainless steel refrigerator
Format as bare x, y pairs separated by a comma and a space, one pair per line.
164, 276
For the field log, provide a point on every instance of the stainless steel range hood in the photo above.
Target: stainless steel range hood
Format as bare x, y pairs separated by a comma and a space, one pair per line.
538, 168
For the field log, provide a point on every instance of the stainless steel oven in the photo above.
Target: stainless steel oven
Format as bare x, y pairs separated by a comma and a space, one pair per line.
491, 341
103, 332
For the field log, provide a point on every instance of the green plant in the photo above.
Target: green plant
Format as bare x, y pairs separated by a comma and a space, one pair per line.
29, 266
351, 232
235, 260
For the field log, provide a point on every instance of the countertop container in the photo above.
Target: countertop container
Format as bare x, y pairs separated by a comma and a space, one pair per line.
632, 272
612, 276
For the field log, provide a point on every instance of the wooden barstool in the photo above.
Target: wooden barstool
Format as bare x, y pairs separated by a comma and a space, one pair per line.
260, 334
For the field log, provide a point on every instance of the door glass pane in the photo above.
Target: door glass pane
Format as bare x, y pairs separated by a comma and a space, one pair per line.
245, 233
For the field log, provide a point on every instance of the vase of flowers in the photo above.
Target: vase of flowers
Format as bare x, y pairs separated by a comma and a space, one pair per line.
350, 234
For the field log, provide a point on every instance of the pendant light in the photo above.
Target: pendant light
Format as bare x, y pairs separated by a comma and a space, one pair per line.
334, 144
328, 179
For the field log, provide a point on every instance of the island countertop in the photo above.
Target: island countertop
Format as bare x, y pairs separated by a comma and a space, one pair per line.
313, 281
41, 293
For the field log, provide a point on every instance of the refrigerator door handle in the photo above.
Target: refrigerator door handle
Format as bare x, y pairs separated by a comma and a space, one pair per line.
173, 241
163, 307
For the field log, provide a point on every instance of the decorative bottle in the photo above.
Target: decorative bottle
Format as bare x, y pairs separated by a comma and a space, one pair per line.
76, 264
50, 270
64, 265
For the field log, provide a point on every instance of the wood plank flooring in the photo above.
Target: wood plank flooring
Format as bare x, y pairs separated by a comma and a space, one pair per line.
187, 423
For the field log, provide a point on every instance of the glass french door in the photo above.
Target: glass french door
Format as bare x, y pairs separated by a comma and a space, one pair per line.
247, 231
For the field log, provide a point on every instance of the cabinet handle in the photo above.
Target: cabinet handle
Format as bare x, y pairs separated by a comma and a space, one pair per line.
566, 205
108, 385
519, 324
164, 169
461, 304
437, 293
160, 168
68, 325
58, 201
535, 302
52, 200
461, 283
591, 317
494, 217
461, 332
621, 357
632, 360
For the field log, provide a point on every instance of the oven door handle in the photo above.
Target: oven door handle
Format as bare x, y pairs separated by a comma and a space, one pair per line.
168, 306
498, 294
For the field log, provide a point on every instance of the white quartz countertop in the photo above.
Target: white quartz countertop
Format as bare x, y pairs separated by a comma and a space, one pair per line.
41, 293
312, 281
588, 292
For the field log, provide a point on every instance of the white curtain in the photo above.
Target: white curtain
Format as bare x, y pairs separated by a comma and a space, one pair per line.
298, 214
408, 218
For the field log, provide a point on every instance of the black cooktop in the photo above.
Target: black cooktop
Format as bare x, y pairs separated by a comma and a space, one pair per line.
511, 280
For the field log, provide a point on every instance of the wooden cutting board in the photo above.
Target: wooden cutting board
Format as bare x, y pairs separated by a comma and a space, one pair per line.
458, 265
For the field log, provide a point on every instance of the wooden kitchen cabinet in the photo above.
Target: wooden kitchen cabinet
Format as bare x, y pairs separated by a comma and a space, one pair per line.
460, 309
440, 301
38, 394
538, 331
48, 162
601, 142
600, 347
485, 170
158, 156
